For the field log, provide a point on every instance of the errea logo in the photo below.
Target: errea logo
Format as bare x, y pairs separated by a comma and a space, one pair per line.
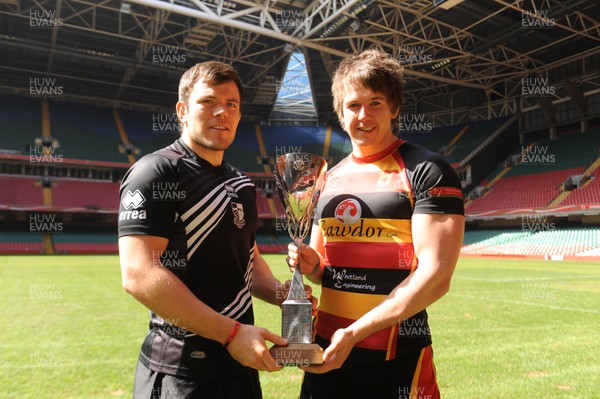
132, 201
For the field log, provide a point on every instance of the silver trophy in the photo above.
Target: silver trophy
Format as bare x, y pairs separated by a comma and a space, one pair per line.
300, 177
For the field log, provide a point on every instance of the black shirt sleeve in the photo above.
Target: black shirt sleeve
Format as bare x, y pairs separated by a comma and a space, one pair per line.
436, 187
148, 194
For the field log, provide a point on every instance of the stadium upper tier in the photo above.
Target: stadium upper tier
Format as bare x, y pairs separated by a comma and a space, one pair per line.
534, 175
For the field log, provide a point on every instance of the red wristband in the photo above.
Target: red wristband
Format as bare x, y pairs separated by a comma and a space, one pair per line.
234, 331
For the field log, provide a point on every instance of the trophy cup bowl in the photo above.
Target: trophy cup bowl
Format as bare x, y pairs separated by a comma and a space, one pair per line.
300, 177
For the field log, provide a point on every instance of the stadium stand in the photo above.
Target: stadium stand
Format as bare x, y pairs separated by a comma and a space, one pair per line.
536, 174
96, 195
532, 178
522, 192
22, 192
473, 137
148, 132
21, 123
85, 132
244, 153
20, 242
543, 240
86, 242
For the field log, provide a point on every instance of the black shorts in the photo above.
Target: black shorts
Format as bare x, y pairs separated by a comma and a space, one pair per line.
150, 384
412, 376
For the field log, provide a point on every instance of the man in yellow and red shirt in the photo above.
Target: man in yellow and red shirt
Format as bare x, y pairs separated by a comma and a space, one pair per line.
386, 238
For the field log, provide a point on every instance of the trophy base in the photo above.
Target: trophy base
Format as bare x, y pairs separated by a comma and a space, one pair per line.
298, 354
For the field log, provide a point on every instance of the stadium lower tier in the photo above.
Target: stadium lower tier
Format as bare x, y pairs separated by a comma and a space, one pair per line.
534, 240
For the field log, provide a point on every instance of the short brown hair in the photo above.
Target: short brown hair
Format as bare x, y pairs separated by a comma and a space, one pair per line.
211, 71
372, 69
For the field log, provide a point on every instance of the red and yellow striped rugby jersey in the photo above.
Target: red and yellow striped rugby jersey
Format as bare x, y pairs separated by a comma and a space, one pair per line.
364, 214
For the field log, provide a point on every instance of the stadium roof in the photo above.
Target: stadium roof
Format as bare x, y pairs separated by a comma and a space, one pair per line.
131, 53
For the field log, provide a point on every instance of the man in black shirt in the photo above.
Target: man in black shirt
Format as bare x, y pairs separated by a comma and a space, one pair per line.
187, 247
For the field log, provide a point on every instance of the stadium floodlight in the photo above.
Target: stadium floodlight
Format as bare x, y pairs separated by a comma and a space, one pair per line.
446, 4
47, 141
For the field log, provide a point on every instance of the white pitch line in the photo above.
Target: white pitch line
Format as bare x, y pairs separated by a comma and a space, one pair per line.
481, 298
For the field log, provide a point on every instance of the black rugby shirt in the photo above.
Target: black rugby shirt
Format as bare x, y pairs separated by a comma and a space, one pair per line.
209, 216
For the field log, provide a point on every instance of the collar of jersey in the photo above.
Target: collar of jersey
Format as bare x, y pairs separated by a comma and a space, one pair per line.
190, 153
379, 155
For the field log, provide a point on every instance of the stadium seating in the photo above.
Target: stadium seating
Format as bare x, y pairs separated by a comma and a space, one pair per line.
271, 244
148, 131
589, 194
85, 132
522, 192
244, 151
21, 192
262, 203
20, 242
541, 169
535, 239
86, 242
86, 193
475, 135
20, 122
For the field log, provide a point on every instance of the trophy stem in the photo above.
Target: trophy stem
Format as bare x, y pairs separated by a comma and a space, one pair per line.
298, 243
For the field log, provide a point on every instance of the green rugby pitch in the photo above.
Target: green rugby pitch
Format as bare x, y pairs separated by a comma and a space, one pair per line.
507, 329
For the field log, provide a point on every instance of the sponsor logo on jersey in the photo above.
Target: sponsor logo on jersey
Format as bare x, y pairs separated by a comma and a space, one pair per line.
348, 212
343, 279
131, 202
238, 214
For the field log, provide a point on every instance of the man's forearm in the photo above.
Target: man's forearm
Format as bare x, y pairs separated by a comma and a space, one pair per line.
264, 285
